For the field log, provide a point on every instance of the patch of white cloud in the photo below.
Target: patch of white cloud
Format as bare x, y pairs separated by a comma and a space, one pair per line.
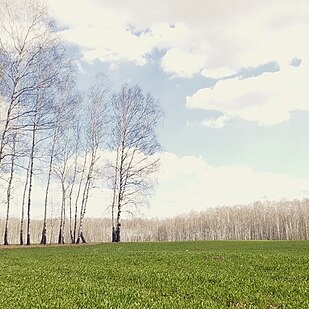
182, 63
189, 182
104, 33
217, 123
267, 99
184, 183
217, 73
199, 36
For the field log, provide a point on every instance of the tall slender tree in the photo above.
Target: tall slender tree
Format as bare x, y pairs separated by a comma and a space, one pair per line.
31, 55
9, 187
134, 141
64, 115
96, 124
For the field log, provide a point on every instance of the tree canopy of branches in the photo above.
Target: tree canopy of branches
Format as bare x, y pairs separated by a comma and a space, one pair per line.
33, 63
56, 135
134, 141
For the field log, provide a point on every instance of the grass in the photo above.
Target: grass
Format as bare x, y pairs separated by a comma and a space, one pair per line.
211, 274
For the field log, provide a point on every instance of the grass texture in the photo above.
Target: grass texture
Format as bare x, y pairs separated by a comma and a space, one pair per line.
207, 274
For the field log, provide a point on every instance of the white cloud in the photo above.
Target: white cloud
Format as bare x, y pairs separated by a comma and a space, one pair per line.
184, 183
182, 63
199, 36
217, 73
104, 33
189, 182
267, 99
217, 123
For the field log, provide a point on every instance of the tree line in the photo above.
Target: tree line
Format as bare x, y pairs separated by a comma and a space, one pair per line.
284, 220
52, 131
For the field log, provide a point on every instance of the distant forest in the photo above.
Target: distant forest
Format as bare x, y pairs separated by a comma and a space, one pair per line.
284, 220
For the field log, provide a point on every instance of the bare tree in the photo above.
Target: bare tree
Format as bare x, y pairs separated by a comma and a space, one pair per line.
134, 142
65, 168
30, 57
25, 36
80, 180
62, 172
96, 124
73, 180
65, 111
40, 124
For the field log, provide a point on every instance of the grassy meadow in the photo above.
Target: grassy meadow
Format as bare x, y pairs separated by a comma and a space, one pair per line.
206, 274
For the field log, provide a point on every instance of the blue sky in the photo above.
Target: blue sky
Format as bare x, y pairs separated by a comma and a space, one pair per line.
231, 77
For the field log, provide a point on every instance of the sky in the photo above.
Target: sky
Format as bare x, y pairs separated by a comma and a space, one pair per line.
231, 78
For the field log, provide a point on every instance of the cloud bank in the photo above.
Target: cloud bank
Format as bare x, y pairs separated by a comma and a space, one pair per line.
267, 99
213, 39
196, 36
189, 182
184, 183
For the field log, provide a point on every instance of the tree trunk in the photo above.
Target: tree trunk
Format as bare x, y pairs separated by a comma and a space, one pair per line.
117, 234
43, 239
114, 197
62, 217
70, 200
85, 197
30, 183
113, 234
80, 236
21, 233
9, 190
75, 235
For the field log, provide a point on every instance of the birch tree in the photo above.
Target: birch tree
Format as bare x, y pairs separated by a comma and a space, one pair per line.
134, 141
65, 168
30, 53
62, 172
65, 114
73, 182
25, 35
96, 123
9, 187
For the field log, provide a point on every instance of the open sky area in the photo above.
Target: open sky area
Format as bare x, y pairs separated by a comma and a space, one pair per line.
231, 78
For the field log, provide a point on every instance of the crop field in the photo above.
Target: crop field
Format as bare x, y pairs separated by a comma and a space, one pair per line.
210, 274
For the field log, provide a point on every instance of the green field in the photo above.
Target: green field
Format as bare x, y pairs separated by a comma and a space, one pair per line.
211, 274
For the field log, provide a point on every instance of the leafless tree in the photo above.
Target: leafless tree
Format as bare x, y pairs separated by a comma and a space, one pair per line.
25, 37
41, 122
30, 57
96, 122
135, 144
80, 180
65, 168
241, 222
62, 170
73, 181
64, 115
